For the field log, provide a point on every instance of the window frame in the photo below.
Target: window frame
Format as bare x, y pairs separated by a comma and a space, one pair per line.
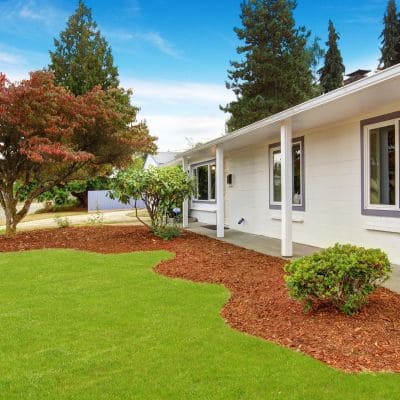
209, 164
384, 210
273, 148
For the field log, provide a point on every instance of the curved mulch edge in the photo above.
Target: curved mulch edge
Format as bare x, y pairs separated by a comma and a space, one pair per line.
259, 304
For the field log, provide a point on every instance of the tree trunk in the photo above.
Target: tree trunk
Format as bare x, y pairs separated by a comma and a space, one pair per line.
13, 217
10, 211
11, 228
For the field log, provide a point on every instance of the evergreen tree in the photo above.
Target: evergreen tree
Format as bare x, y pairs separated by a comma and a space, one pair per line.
333, 70
275, 72
82, 58
390, 50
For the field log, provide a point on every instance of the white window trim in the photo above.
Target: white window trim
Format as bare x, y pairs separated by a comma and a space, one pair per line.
273, 150
367, 165
209, 164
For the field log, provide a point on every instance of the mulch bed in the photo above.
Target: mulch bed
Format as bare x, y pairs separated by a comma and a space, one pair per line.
259, 303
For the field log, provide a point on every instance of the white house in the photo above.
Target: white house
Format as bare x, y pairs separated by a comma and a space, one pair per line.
325, 171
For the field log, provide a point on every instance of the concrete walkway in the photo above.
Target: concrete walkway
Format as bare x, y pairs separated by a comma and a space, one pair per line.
272, 247
111, 217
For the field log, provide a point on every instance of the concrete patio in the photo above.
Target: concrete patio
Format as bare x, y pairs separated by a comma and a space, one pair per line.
272, 247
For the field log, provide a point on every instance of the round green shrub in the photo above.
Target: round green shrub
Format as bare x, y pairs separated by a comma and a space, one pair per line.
343, 275
167, 232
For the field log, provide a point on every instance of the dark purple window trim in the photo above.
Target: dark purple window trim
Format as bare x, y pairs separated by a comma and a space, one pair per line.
363, 124
301, 207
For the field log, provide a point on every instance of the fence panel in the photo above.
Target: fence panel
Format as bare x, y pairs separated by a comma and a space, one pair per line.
100, 200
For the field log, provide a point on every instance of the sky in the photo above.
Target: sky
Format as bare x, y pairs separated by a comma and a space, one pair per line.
174, 54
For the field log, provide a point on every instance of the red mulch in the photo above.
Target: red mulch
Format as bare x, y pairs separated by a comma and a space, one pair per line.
259, 303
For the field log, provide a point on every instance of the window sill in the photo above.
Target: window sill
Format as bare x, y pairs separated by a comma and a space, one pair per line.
298, 220
376, 212
204, 201
382, 228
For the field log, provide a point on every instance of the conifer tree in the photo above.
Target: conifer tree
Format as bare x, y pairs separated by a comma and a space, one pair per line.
82, 57
331, 74
275, 70
390, 50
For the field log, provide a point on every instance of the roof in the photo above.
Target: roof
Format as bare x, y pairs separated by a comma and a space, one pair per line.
359, 72
358, 97
164, 157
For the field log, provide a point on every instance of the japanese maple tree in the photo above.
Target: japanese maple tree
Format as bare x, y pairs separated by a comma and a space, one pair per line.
48, 137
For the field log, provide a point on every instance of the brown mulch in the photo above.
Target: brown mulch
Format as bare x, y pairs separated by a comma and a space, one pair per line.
259, 303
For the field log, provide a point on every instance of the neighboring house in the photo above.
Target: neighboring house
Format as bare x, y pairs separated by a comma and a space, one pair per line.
159, 159
340, 156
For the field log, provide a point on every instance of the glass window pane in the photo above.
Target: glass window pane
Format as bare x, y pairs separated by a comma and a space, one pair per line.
297, 174
212, 175
382, 166
276, 159
202, 182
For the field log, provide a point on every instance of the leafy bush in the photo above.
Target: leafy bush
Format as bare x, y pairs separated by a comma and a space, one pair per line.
167, 232
62, 222
70, 205
343, 275
161, 190
97, 218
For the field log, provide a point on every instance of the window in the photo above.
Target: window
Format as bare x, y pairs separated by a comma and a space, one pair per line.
204, 176
297, 174
381, 167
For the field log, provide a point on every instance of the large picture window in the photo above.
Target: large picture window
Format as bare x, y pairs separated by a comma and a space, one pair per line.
204, 176
297, 174
381, 167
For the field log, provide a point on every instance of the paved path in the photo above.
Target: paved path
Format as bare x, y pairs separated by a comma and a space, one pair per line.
112, 217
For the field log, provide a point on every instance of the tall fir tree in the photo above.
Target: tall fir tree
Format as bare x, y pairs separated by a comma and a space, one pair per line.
82, 57
390, 50
331, 74
275, 71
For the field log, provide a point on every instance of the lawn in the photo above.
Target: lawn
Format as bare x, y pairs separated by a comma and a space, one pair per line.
78, 325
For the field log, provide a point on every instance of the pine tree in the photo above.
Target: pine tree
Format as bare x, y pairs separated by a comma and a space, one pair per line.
390, 50
275, 72
331, 74
82, 58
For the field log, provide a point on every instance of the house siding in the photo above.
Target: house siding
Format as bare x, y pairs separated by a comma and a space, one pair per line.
332, 192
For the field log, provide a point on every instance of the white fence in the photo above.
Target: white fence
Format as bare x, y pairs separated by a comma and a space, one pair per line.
101, 200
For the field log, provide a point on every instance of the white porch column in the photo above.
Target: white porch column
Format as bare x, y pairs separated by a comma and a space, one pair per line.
220, 184
286, 187
185, 205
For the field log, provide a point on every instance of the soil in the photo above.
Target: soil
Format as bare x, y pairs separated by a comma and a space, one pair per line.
259, 303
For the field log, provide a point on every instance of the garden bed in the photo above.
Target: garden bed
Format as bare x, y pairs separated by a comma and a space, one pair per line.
259, 304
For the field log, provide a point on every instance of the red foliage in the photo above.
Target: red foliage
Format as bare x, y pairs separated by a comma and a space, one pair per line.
50, 136
41, 118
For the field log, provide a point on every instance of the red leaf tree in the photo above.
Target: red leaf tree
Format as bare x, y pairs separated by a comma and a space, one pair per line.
49, 137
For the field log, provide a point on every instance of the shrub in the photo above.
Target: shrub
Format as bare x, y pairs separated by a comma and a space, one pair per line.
167, 232
161, 190
343, 275
62, 222
97, 218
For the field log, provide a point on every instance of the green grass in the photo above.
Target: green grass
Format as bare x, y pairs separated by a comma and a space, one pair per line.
79, 325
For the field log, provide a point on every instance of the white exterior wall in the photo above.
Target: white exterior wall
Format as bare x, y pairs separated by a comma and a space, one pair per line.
332, 194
